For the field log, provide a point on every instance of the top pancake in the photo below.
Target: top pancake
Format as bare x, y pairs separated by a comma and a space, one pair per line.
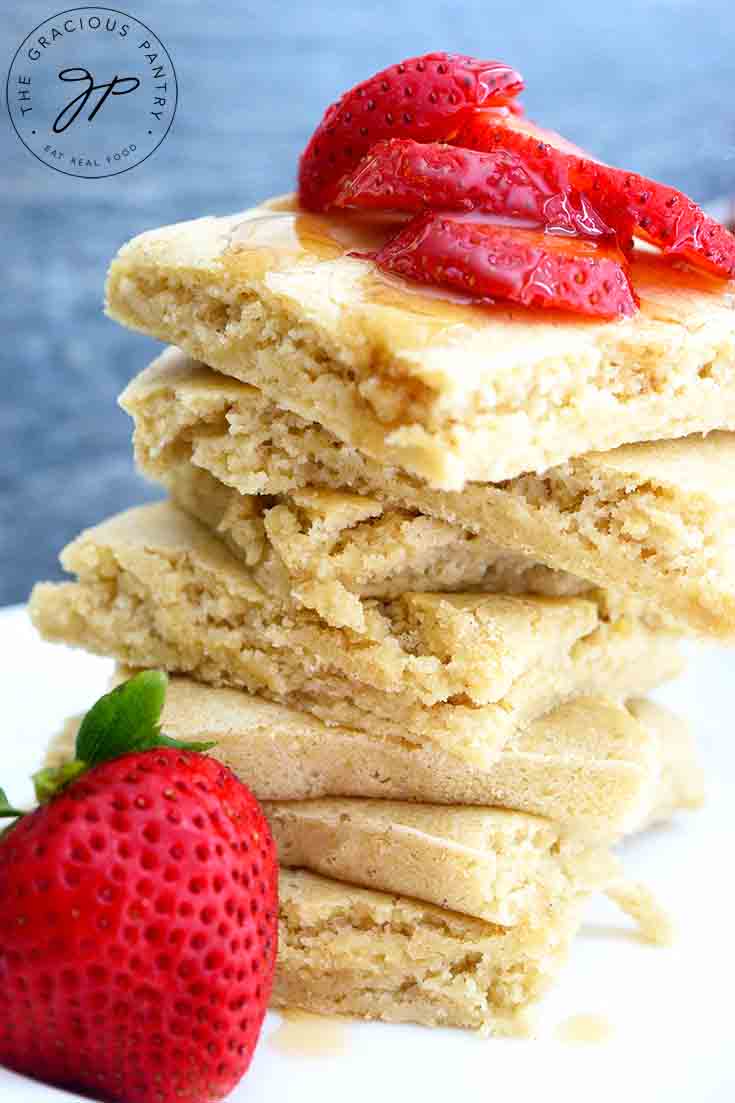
445, 389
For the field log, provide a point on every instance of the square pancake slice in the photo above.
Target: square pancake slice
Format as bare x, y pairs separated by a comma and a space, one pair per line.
654, 521
156, 588
505, 867
447, 390
597, 768
349, 950
334, 550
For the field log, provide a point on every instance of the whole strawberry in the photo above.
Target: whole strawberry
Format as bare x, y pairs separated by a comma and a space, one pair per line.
138, 940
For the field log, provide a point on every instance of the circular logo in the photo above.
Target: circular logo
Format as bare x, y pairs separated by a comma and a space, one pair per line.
92, 92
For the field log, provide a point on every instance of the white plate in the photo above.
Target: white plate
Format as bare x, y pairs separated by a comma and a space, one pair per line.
669, 1010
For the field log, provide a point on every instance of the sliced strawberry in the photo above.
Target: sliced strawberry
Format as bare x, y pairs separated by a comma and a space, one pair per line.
425, 98
473, 133
492, 116
631, 203
491, 260
402, 175
660, 214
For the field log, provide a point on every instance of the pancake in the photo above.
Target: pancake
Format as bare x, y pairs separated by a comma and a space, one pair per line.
450, 391
651, 521
596, 768
463, 671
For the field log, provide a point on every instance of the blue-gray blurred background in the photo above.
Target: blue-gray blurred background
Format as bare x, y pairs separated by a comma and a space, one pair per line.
644, 83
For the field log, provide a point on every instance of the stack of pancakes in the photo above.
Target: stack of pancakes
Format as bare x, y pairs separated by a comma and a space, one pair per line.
419, 563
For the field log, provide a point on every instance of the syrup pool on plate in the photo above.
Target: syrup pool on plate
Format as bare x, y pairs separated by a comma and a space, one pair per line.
302, 1034
585, 1029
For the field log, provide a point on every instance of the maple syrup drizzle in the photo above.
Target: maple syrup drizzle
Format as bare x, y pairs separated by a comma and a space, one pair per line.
286, 230
435, 306
585, 1029
280, 233
284, 233
302, 1034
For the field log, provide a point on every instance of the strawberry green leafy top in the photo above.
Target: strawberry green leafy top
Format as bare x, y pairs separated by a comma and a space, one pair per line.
126, 719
